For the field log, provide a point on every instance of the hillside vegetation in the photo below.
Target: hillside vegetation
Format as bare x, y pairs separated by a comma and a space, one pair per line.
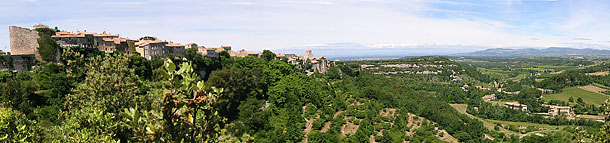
112, 97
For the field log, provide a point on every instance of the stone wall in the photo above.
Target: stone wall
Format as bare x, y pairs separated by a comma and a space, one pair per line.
24, 41
17, 62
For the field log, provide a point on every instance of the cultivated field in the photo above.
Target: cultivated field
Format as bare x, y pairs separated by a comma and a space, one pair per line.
598, 73
576, 92
592, 88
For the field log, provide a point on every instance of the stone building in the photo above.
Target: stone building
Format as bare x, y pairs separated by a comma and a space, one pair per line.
84, 39
244, 53
191, 45
557, 110
319, 63
516, 106
226, 48
24, 41
489, 97
23, 62
211, 52
174, 48
121, 45
149, 48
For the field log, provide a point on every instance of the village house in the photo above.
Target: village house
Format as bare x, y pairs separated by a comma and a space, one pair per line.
215, 52
149, 48
226, 48
482, 88
116, 44
319, 63
512, 93
82, 38
102, 41
191, 45
173, 48
558, 110
244, 53
545, 90
489, 97
211, 52
516, 106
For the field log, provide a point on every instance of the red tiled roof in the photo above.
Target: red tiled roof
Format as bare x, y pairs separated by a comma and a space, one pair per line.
146, 42
172, 44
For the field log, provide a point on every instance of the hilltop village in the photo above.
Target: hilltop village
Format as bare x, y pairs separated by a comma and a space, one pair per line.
24, 45
100, 87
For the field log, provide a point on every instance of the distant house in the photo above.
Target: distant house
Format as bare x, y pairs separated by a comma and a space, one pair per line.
489, 97
82, 38
102, 41
191, 45
512, 93
173, 48
557, 110
291, 56
244, 53
545, 90
211, 52
149, 48
227, 49
116, 44
482, 88
516, 106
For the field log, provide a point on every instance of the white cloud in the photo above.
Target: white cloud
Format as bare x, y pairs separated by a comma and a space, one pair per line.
242, 3
308, 2
285, 24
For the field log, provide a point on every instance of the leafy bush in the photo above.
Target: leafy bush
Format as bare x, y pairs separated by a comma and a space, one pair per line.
318, 124
47, 47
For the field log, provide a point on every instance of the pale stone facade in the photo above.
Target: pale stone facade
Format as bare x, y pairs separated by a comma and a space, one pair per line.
23, 41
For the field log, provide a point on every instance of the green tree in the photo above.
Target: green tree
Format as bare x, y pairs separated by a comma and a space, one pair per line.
15, 127
268, 55
604, 134
53, 85
17, 94
148, 38
47, 47
109, 87
189, 112
240, 84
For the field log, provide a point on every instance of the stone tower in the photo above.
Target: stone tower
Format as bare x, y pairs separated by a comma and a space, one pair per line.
308, 54
23, 41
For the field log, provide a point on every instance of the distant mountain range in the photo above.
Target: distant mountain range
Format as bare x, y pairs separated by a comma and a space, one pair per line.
531, 52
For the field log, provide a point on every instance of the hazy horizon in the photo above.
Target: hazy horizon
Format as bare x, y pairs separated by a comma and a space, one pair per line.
333, 28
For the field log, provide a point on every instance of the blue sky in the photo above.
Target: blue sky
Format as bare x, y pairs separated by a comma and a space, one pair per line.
338, 25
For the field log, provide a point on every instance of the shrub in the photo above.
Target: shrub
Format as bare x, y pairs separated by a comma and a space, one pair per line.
318, 124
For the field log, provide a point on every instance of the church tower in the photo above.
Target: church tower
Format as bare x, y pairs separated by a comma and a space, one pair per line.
308, 54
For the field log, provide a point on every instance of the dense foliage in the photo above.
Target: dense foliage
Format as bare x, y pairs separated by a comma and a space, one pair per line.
112, 97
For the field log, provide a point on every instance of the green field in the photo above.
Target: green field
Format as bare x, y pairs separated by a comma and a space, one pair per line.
558, 68
545, 126
520, 76
587, 96
501, 74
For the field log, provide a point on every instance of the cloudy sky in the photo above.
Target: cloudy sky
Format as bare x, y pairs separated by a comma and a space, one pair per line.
336, 24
